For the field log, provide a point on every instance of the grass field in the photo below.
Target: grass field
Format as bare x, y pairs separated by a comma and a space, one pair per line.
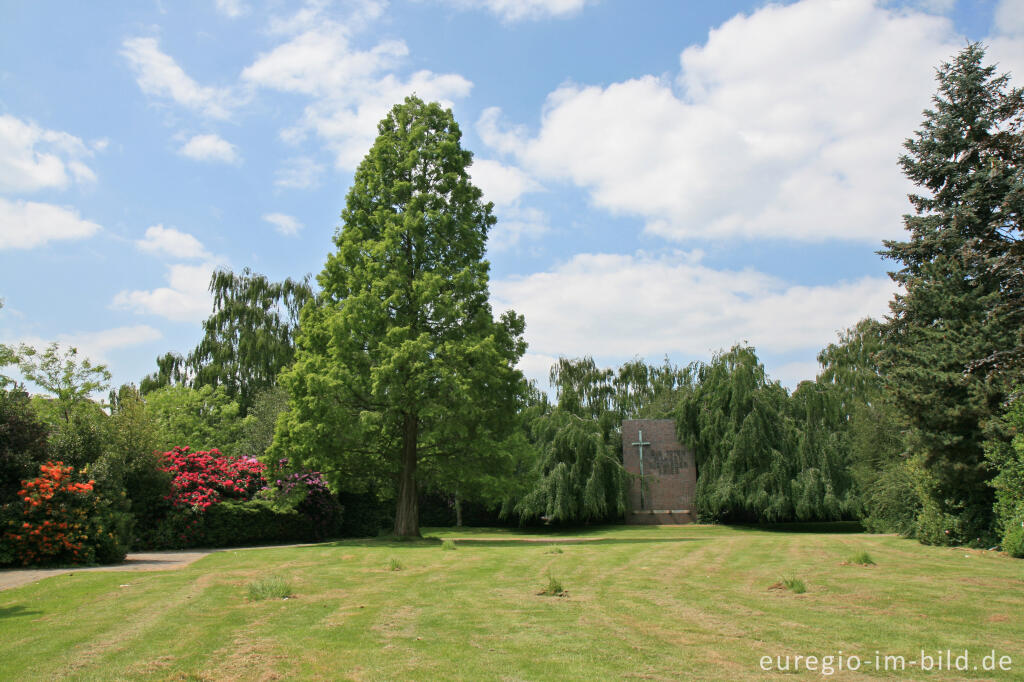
660, 603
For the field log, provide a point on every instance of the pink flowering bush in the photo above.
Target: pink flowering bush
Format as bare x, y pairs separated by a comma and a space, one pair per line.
221, 501
204, 478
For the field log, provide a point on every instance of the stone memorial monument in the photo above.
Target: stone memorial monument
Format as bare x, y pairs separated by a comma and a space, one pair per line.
664, 473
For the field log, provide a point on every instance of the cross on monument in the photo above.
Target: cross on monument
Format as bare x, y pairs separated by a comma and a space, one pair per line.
640, 444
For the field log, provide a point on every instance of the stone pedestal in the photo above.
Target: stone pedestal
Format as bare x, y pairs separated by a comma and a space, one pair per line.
669, 473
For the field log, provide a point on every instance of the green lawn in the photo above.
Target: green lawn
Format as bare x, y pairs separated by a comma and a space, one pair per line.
660, 603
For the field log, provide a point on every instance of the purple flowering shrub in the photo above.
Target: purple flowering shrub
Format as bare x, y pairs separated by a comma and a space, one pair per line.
306, 492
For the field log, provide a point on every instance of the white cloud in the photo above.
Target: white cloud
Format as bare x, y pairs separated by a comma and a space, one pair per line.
167, 241
500, 183
518, 10
787, 122
231, 8
27, 224
537, 367
615, 305
186, 298
159, 75
97, 345
1009, 17
34, 158
210, 148
285, 224
351, 89
1006, 44
514, 225
790, 374
300, 172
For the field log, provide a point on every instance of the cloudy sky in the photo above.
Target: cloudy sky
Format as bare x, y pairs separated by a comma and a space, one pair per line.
670, 177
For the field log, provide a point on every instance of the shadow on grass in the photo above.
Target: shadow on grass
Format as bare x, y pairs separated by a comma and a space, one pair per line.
501, 542
16, 611
801, 527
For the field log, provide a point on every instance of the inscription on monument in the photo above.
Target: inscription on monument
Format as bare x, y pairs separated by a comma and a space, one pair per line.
664, 475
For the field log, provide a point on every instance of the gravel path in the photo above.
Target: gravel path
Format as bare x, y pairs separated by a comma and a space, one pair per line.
140, 561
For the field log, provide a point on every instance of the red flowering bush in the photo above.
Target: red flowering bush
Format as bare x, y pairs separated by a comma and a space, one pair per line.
63, 520
204, 478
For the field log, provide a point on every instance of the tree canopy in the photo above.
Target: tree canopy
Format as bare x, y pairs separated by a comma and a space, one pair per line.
956, 311
399, 358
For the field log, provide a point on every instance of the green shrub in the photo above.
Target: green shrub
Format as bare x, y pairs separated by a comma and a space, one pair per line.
861, 558
22, 442
271, 587
554, 550
448, 544
252, 522
395, 565
794, 585
554, 587
231, 523
1013, 539
364, 515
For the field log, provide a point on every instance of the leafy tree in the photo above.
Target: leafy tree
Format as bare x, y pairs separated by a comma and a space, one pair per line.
22, 442
966, 158
1007, 458
867, 427
60, 373
249, 336
8, 356
735, 420
131, 462
201, 418
171, 371
258, 431
578, 474
399, 359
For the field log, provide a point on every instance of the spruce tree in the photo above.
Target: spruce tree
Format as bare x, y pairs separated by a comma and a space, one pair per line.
399, 359
953, 314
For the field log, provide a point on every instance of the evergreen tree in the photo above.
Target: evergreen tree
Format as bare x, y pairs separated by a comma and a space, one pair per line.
953, 314
399, 358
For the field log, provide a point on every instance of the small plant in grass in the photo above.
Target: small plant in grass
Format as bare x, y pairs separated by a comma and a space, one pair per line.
794, 585
860, 559
395, 565
554, 587
271, 587
554, 550
448, 544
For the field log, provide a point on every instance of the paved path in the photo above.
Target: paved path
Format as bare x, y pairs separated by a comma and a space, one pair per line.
140, 561
136, 561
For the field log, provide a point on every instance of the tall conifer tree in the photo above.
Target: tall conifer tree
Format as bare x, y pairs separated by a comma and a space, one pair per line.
966, 158
399, 358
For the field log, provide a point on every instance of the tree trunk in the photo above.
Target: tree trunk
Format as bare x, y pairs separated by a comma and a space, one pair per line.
407, 516
458, 510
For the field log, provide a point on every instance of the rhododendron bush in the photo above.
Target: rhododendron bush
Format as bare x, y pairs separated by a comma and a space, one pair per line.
200, 479
60, 518
218, 500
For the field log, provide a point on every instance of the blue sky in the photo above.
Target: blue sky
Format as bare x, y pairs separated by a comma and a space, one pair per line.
670, 177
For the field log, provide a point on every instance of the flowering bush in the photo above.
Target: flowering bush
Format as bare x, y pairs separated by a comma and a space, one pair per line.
307, 492
201, 479
63, 520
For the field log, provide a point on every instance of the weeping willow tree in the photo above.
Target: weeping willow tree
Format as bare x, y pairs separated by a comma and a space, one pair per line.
884, 480
578, 475
822, 487
735, 420
248, 338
